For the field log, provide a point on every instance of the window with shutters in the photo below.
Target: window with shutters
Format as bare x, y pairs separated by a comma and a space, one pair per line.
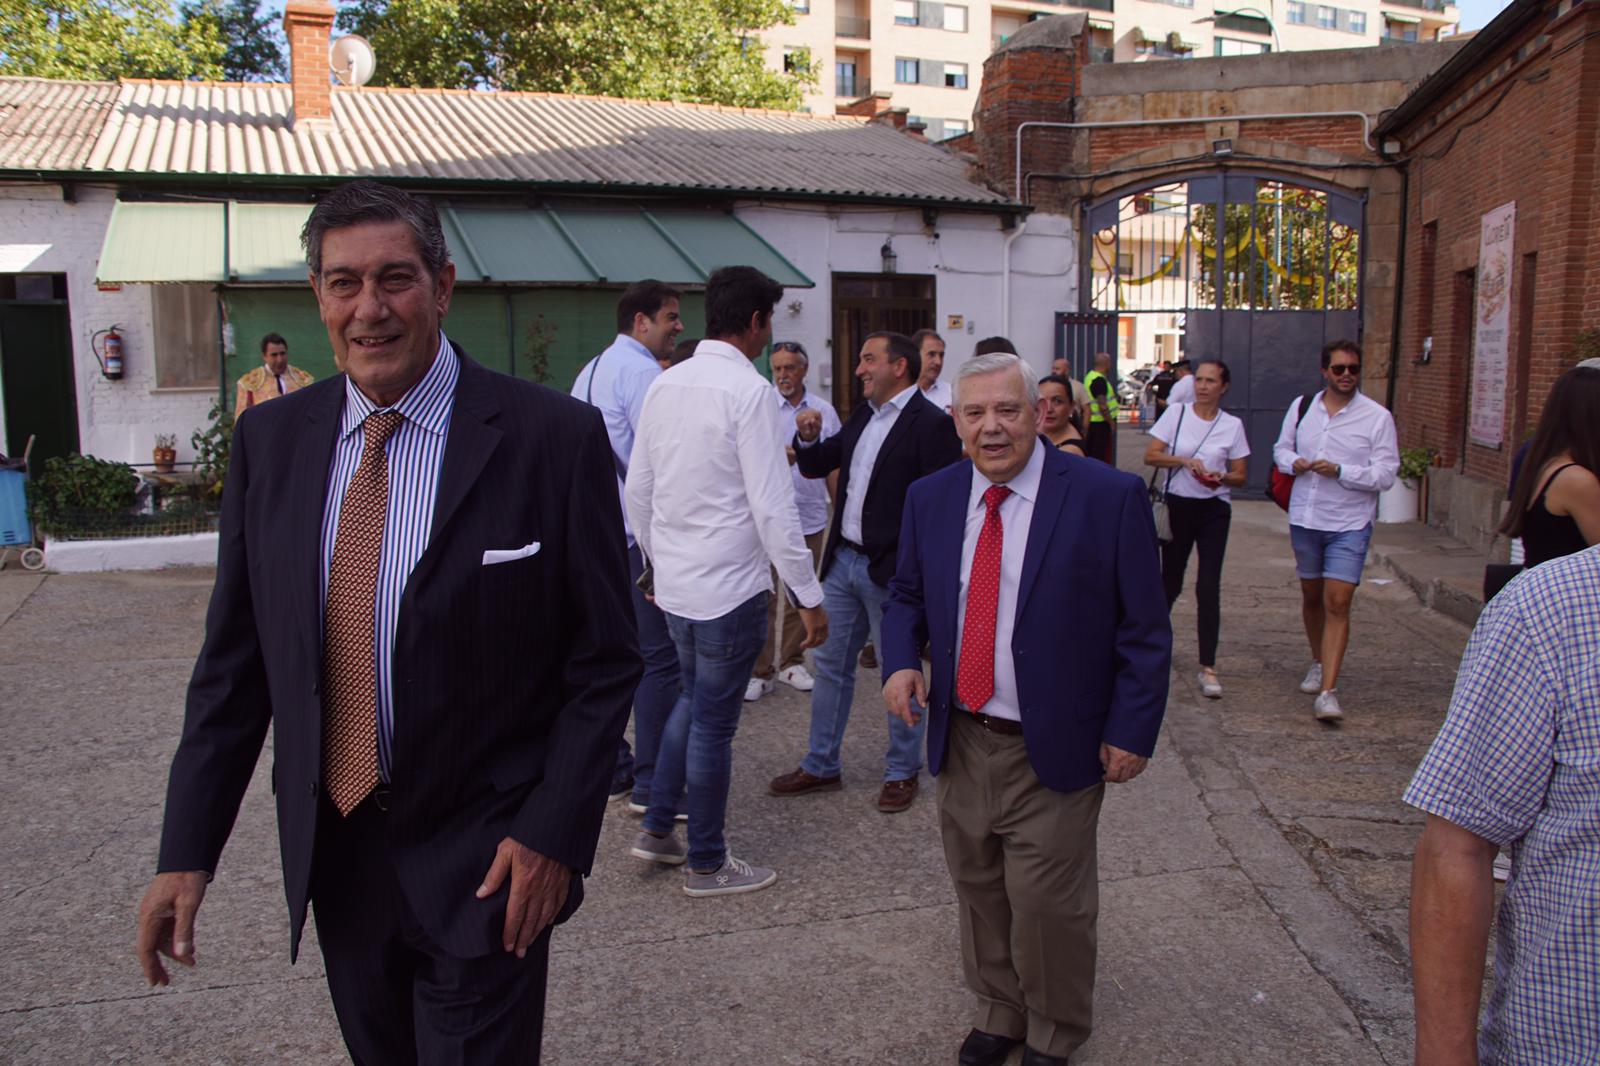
187, 336
1297, 13
906, 71
955, 18
1355, 21
905, 13
955, 75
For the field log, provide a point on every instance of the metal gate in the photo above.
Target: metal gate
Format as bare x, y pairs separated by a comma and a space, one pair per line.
1253, 269
1079, 337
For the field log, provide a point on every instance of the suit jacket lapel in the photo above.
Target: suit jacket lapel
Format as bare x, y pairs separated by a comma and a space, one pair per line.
902, 425
1054, 488
944, 552
313, 462
470, 442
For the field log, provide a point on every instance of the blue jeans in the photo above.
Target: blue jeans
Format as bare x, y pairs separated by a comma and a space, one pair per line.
658, 689
697, 746
854, 603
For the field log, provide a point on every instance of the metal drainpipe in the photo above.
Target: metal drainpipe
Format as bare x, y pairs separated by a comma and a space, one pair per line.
1005, 277
1366, 128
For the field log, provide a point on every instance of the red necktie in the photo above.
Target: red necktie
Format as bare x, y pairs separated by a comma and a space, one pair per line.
975, 674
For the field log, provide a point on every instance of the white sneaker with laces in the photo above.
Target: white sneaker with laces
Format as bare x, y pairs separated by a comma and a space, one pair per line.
797, 677
1312, 685
1210, 687
1327, 707
758, 687
736, 875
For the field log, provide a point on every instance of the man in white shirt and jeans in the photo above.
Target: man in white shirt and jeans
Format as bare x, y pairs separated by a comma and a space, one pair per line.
1341, 455
781, 656
710, 499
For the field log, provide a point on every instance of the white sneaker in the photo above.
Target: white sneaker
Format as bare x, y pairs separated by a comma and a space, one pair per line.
797, 677
1312, 685
1327, 707
758, 687
1210, 687
736, 875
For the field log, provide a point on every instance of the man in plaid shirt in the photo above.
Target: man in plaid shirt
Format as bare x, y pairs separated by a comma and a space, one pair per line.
1517, 765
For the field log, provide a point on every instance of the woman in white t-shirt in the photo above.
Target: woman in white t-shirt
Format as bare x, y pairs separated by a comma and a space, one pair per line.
1203, 449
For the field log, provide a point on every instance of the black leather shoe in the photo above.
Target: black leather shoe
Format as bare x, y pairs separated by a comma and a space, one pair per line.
985, 1049
1031, 1057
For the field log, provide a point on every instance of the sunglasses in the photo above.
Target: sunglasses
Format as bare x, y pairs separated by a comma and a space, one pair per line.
1345, 368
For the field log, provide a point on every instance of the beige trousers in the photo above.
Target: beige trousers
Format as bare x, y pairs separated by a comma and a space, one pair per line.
794, 631
1023, 859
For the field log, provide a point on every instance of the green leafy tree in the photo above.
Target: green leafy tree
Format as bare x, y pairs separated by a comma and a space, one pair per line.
707, 51
255, 42
105, 40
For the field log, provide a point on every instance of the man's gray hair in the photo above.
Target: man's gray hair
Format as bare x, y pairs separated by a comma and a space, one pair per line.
371, 201
989, 364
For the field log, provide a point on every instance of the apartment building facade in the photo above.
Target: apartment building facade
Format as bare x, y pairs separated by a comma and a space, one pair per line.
929, 56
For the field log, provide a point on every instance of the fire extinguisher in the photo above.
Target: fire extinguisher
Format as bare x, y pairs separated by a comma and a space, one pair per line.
108, 352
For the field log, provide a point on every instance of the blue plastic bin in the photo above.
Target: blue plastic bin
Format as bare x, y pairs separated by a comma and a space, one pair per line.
14, 530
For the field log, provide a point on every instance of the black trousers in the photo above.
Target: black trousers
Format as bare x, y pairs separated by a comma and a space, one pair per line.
401, 1000
1101, 442
1199, 524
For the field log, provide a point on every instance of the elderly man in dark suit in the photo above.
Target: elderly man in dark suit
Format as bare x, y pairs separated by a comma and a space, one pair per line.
432, 611
1032, 708
890, 440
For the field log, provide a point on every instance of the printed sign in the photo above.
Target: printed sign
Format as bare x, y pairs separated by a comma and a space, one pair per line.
955, 323
1491, 321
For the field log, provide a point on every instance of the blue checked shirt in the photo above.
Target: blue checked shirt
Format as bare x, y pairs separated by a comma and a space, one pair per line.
414, 453
1517, 762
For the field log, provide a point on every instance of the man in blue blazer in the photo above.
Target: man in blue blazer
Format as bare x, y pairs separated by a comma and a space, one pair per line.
1034, 576
422, 587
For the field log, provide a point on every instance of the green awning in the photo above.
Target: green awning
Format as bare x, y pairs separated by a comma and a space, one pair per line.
1409, 19
255, 242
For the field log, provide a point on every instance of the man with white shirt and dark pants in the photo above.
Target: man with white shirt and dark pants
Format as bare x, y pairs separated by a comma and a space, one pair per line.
891, 440
1342, 453
615, 381
781, 656
710, 498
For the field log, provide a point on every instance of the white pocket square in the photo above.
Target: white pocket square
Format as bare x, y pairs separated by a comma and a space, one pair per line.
508, 555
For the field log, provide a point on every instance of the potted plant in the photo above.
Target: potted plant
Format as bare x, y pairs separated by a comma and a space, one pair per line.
166, 452
1399, 502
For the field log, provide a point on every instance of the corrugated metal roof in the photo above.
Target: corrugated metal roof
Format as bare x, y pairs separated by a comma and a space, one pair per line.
203, 128
51, 125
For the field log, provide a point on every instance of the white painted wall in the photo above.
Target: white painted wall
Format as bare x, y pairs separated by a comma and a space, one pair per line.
963, 252
117, 420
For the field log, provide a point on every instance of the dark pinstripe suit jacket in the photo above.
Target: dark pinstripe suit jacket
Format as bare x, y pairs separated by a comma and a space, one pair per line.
512, 682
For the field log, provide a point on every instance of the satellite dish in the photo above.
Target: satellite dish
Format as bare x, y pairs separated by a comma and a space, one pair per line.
352, 60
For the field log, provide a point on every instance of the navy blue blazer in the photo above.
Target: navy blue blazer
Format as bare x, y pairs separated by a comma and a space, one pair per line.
1091, 641
512, 682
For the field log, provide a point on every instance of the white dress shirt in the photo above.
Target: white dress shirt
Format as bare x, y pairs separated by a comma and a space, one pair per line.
810, 493
616, 381
865, 458
1182, 391
1016, 516
709, 492
1360, 440
941, 395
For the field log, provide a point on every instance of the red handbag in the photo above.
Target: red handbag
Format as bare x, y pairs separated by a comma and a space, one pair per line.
1280, 486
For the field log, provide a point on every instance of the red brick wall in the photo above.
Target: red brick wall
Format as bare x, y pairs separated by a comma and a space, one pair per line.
307, 24
1341, 135
1027, 85
1521, 127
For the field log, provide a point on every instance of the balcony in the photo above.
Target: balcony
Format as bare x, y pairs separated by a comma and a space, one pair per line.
1029, 5
1438, 7
852, 88
852, 26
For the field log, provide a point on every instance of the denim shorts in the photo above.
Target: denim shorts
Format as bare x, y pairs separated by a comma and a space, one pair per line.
1319, 553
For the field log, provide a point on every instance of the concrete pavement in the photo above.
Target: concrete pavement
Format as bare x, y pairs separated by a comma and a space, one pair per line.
1255, 879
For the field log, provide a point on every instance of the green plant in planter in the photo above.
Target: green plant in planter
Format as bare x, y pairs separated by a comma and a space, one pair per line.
1414, 463
75, 487
211, 447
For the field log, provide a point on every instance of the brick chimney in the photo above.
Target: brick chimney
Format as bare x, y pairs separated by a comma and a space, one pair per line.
308, 24
1032, 77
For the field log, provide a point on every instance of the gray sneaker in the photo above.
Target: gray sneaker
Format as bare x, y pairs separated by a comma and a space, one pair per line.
665, 849
736, 875
1313, 680
1327, 707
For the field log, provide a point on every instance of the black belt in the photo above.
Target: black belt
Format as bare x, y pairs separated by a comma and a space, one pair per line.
1006, 727
852, 545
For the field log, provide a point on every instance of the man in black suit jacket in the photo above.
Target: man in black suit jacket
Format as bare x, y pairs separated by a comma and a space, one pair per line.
891, 440
441, 776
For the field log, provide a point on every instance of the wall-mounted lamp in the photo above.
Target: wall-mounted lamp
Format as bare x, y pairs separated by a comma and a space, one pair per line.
890, 260
1222, 146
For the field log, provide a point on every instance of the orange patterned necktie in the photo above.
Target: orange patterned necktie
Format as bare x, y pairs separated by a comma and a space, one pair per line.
975, 672
349, 663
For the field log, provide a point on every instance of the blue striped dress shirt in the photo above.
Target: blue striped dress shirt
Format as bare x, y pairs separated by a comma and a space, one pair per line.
415, 453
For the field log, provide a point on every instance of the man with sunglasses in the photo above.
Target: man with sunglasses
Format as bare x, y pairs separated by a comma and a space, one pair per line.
1342, 453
